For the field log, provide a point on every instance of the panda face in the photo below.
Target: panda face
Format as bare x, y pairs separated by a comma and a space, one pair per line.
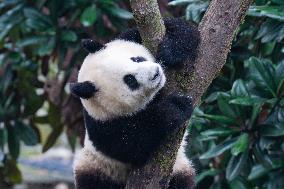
123, 78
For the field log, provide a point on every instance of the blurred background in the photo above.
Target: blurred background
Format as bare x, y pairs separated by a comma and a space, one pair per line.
236, 134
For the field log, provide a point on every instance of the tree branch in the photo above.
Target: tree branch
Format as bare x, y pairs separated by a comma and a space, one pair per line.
217, 30
149, 22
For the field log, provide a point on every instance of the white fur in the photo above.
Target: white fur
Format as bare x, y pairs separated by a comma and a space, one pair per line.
182, 163
106, 69
89, 159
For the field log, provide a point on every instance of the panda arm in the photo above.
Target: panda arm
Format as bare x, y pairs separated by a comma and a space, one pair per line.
179, 44
131, 35
173, 111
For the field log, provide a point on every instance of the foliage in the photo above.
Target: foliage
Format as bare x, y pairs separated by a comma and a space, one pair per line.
40, 53
238, 131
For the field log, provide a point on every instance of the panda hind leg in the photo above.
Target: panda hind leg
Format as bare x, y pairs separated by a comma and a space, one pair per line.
95, 180
93, 170
183, 176
182, 181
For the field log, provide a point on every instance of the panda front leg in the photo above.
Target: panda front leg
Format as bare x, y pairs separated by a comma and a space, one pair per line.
93, 170
183, 176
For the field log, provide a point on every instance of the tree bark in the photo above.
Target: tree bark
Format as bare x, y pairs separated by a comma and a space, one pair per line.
149, 20
217, 30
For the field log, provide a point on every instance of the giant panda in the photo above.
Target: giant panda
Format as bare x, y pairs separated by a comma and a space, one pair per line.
126, 117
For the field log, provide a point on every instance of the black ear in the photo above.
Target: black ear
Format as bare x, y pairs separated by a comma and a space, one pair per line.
83, 90
91, 46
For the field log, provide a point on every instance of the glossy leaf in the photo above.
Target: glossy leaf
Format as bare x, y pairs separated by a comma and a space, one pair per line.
206, 173
181, 2
222, 131
236, 165
26, 134
52, 138
89, 16
262, 72
239, 89
219, 149
241, 145
272, 131
13, 142
220, 118
268, 11
3, 136
224, 106
238, 184
257, 171
121, 13
69, 36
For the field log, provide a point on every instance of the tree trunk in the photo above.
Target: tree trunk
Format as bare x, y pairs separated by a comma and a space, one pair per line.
217, 30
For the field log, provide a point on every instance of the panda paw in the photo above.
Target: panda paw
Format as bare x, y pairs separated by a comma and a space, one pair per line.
183, 104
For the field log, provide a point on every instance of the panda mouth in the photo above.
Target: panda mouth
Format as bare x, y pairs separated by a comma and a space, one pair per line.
159, 83
157, 74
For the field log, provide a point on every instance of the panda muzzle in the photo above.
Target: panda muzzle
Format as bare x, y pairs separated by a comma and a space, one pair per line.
83, 90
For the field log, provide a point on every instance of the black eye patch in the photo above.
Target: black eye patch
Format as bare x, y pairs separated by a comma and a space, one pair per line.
131, 82
138, 59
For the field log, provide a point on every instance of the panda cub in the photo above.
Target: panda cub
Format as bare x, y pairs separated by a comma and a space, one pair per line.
126, 118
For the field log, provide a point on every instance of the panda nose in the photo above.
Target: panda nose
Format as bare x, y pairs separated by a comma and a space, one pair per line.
157, 74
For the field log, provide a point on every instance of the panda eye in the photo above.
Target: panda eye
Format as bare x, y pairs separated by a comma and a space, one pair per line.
138, 59
131, 82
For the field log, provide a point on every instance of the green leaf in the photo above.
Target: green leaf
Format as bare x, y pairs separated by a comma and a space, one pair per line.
239, 89
219, 149
27, 134
69, 36
221, 131
54, 116
255, 112
195, 10
89, 16
262, 72
236, 165
33, 40
13, 142
38, 21
121, 13
261, 157
52, 138
181, 2
257, 171
220, 119
272, 131
212, 97
241, 145
47, 47
206, 173
238, 184
268, 48
274, 12
3, 136
224, 106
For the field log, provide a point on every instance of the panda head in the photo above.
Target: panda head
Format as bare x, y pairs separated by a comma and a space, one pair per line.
117, 79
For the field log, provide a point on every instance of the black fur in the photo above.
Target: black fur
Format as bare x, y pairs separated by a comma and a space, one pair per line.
83, 90
95, 180
133, 139
91, 46
131, 82
182, 181
179, 44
